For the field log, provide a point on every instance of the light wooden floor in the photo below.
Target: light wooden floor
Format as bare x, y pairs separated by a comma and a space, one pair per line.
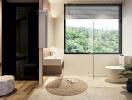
23, 90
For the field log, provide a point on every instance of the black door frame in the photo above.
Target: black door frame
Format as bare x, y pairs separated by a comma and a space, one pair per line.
9, 36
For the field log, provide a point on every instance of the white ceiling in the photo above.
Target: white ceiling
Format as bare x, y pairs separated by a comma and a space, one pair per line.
86, 1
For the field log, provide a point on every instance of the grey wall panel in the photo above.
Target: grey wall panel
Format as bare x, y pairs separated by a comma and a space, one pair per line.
43, 29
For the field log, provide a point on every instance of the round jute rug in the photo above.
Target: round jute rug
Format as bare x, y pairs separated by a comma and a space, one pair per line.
66, 87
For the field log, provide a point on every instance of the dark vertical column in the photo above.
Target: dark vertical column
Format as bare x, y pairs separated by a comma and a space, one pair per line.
33, 36
8, 39
33, 54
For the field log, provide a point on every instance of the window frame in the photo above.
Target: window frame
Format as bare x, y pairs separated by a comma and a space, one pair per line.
120, 27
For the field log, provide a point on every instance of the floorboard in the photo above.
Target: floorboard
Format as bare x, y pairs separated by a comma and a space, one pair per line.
22, 91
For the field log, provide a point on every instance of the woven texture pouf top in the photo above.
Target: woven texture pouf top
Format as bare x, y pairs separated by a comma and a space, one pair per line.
7, 84
66, 87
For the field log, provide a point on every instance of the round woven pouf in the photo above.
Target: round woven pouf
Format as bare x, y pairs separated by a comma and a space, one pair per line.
7, 84
66, 87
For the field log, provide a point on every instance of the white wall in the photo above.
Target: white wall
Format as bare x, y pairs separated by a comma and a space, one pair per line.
127, 27
80, 64
50, 31
83, 64
59, 31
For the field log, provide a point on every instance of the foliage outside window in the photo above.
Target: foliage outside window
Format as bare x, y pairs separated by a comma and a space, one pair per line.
92, 29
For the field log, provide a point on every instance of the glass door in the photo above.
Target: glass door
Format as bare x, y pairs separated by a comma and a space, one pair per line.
26, 42
79, 39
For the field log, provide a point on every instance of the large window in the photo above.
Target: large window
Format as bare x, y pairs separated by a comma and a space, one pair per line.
93, 29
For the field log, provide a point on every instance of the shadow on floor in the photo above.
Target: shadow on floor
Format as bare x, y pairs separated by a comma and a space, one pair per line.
13, 92
127, 94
